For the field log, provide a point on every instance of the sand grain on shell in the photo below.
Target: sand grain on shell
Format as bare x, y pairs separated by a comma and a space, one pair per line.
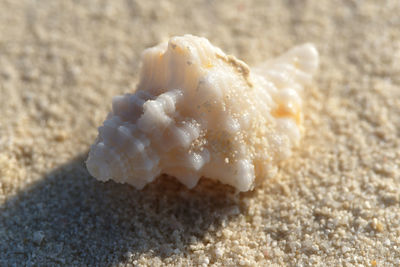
335, 202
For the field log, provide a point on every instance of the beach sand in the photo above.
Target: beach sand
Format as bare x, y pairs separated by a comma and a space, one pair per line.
335, 202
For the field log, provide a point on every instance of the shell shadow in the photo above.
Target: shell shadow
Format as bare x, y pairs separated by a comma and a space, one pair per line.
70, 218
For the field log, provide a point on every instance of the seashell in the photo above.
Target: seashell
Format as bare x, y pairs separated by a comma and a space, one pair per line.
198, 112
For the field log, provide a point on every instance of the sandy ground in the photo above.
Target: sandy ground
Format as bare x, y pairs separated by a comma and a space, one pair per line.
336, 202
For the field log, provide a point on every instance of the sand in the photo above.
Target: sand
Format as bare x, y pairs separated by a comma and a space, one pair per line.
336, 202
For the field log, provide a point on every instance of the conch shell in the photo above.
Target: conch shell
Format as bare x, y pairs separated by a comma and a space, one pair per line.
199, 112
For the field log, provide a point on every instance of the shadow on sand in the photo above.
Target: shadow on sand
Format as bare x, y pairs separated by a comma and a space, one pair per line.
70, 218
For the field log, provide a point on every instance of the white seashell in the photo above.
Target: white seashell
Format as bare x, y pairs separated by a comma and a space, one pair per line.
199, 112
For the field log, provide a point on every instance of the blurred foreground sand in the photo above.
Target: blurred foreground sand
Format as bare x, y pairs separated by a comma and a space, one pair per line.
336, 201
